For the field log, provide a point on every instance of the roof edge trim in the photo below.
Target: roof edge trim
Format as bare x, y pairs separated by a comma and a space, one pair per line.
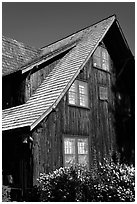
44, 59
15, 127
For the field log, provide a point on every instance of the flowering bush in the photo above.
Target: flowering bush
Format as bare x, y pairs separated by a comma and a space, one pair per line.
61, 185
110, 182
117, 182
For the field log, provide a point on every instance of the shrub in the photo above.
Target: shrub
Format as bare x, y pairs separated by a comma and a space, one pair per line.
61, 185
6, 194
117, 182
110, 182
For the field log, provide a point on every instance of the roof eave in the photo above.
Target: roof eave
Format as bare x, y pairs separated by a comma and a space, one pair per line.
45, 59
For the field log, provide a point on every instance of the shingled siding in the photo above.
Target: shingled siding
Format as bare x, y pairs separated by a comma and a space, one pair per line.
95, 122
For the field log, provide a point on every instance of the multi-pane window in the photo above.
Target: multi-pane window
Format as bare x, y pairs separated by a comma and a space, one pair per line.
101, 58
78, 94
75, 151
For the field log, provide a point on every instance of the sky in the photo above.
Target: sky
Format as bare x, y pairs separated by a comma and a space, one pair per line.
41, 23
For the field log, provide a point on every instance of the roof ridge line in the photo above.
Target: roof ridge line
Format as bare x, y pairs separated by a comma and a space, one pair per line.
79, 31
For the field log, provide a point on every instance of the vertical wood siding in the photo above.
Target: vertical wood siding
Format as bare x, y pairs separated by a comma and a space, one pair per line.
47, 148
96, 122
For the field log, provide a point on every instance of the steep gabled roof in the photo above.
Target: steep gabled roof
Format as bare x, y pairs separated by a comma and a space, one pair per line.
53, 88
19, 57
15, 54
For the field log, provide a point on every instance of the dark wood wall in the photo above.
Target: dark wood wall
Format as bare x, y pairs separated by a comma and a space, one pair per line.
13, 87
18, 88
47, 148
95, 122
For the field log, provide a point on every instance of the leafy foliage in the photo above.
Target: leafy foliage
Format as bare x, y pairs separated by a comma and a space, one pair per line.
110, 182
6, 194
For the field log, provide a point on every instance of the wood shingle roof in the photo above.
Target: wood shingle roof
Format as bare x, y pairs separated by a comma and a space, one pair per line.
54, 87
15, 54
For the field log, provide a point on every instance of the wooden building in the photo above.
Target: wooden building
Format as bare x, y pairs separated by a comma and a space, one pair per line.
69, 102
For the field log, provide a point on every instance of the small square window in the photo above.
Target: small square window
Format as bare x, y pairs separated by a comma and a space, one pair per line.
103, 93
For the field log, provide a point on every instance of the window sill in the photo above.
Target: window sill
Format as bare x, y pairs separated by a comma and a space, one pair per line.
77, 106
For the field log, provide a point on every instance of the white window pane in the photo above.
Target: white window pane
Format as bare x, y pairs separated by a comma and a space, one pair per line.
73, 94
78, 94
72, 98
83, 97
83, 100
83, 159
82, 146
69, 145
70, 160
82, 89
76, 155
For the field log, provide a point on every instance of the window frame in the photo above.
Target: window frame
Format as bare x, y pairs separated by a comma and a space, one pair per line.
101, 59
103, 93
76, 138
78, 95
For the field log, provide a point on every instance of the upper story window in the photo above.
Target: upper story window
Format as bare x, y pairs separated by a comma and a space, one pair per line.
101, 58
78, 94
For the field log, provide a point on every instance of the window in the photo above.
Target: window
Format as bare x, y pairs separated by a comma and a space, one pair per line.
103, 93
75, 151
101, 58
78, 94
